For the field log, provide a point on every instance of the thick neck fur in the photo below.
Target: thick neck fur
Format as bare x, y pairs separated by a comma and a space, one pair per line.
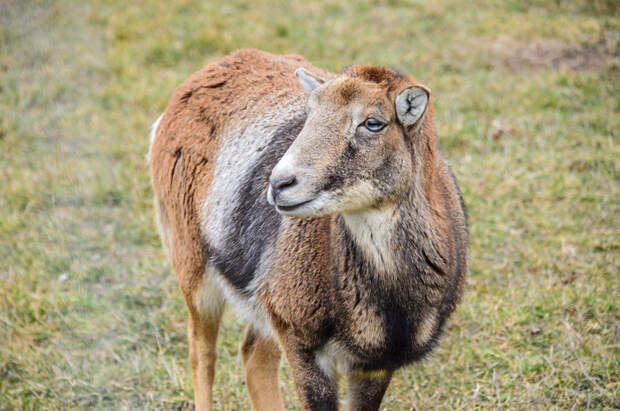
386, 234
392, 279
394, 275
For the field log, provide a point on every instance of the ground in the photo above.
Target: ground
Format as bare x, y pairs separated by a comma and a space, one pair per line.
527, 110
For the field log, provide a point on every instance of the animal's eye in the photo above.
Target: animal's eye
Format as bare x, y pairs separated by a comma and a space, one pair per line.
374, 125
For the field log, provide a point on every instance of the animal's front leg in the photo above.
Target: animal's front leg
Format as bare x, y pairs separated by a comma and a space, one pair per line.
366, 389
316, 389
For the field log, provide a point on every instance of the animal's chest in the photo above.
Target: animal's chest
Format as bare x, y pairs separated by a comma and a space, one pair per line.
379, 336
385, 319
297, 292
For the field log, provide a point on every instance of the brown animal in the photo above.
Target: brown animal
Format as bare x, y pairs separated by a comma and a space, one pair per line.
320, 207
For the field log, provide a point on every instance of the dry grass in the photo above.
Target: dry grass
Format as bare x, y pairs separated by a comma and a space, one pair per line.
90, 314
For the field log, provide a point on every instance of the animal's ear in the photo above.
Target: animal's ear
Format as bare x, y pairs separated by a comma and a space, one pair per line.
411, 104
308, 80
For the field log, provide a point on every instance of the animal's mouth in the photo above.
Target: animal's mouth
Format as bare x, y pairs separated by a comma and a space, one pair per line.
288, 206
285, 209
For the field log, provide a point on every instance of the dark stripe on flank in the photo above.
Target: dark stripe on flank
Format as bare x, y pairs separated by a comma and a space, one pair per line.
253, 221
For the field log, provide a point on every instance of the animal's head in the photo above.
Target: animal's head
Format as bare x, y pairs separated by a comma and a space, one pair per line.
356, 149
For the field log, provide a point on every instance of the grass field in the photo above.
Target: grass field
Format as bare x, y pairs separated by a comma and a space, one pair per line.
528, 114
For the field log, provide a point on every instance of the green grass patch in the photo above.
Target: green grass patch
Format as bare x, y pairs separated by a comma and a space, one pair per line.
528, 115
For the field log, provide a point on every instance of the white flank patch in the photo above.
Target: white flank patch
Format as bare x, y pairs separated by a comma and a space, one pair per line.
242, 145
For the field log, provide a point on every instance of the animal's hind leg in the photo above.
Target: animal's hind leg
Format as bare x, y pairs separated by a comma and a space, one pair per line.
205, 313
203, 297
261, 358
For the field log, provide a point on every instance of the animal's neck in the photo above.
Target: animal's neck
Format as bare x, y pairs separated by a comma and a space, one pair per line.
383, 234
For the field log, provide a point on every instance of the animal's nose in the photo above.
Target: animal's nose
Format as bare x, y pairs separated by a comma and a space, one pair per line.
278, 184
